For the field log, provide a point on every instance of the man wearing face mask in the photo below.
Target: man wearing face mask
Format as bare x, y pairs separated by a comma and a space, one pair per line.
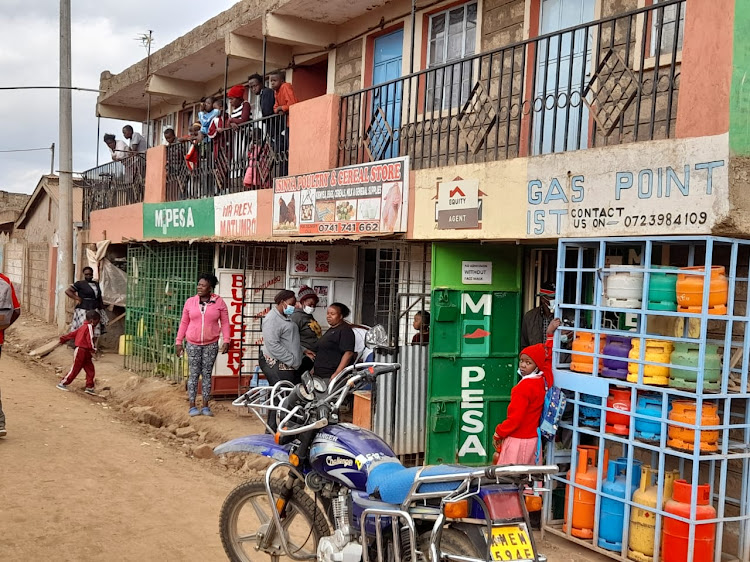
309, 329
535, 321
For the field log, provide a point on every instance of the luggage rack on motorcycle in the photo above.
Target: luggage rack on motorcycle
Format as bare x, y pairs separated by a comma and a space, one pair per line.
261, 399
502, 474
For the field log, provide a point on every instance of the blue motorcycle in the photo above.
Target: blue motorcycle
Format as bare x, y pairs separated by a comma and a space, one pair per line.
338, 493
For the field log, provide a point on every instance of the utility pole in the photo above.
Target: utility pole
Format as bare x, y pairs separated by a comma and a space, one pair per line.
65, 212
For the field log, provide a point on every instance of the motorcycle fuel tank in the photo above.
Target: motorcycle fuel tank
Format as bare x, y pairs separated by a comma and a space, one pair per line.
344, 452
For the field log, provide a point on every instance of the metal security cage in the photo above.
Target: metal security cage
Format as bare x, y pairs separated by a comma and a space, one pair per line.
612, 288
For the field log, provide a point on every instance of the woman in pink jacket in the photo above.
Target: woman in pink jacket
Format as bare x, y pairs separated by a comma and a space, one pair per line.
204, 316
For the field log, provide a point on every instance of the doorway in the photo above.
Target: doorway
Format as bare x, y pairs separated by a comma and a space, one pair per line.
563, 70
386, 100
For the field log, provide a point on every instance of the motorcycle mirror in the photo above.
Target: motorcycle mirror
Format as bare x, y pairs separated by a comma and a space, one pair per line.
376, 337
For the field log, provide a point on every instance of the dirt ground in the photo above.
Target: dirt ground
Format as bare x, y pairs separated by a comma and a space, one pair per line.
124, 476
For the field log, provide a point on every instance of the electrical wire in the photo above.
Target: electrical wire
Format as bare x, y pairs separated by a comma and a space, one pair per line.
25, 149
98, 91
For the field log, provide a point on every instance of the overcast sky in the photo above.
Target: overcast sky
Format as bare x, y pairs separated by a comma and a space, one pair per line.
103, 38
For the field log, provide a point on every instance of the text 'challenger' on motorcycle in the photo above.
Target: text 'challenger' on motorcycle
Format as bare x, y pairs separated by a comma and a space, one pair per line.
339, 493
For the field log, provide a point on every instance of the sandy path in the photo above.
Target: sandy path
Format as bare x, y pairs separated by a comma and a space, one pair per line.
78, 484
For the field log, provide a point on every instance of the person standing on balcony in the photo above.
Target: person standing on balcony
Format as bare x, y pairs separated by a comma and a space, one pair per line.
119, 149
284, 93
207, 113
285, 98
138, 143
265, 96
239, 107
204, 318
170, 137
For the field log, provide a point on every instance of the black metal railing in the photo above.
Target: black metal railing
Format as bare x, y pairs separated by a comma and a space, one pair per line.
608, 82
113, 185
248, 157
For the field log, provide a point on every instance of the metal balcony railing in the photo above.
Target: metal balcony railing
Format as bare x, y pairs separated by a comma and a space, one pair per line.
608, 82
113, 185
248, 157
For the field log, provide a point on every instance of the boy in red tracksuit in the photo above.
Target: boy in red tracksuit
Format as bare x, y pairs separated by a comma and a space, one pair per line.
82, 358
515, 439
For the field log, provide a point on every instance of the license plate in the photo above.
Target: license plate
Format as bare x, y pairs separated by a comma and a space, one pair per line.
511, 543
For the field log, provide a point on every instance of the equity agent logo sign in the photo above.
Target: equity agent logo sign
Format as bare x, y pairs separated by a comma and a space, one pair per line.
458, 204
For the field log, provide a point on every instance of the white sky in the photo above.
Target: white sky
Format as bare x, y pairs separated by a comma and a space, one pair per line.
103, 38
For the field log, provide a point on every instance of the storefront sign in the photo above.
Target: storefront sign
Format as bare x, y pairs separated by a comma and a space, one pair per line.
236, 215
179, 219
476, 272
680, 189
458, 204
363, 199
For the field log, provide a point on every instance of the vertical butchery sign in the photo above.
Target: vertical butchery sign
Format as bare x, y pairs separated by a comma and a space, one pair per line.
362, 199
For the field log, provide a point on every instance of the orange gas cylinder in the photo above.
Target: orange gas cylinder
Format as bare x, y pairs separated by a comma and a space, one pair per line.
683, 438
690, 290
657, 351
584, 501
584, 342
676, 534
619, 423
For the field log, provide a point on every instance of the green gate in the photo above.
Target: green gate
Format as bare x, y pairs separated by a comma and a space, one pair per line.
161, 277
476, 317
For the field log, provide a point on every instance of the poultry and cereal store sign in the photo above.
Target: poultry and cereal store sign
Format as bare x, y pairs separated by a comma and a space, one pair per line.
363, 199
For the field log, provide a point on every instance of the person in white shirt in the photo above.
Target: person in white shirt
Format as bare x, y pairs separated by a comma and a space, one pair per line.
118, 148
137, 141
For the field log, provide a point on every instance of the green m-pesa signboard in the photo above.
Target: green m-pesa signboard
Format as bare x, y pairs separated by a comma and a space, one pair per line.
179, 219
476, 318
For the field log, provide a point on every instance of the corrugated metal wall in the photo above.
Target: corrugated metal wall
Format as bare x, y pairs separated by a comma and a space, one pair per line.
402, 290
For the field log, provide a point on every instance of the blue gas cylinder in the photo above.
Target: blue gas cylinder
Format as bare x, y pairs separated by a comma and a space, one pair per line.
648, 404
588, 415
612, 512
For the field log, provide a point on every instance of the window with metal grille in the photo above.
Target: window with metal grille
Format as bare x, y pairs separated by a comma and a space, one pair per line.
670, 23
452, 37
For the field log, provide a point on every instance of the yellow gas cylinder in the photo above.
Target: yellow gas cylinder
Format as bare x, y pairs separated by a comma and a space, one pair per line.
657, 351
643, 521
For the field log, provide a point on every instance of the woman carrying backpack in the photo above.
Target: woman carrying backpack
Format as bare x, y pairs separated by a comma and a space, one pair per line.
515, 439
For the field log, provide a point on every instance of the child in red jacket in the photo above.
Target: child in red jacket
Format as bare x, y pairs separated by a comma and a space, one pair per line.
516, 438
82, 358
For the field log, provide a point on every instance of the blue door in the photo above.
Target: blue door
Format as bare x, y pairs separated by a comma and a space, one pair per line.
385, 113
561, 119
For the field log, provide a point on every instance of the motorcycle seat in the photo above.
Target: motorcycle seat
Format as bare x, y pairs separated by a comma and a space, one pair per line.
392, 481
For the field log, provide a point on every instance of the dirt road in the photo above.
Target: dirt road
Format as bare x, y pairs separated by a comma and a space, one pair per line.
79, 484
80, 480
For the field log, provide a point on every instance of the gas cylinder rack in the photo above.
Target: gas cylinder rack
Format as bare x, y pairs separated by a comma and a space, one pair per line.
657, 386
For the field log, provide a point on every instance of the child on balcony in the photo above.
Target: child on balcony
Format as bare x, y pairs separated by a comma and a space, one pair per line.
255, 160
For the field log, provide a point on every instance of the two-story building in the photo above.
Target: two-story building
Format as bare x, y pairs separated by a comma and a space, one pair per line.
436, 146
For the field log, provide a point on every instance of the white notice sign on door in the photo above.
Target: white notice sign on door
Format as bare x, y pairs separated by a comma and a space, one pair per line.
476, 272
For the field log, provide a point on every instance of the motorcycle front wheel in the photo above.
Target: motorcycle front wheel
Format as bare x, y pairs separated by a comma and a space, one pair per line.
246, 520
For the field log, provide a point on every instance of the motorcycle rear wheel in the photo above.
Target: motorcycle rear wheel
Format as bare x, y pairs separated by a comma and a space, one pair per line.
246, 514
452, 541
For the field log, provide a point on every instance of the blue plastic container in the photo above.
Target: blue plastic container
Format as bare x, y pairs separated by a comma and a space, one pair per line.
612, 512
648, 404
587, 415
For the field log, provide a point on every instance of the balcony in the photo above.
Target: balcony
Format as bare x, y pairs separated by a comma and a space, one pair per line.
608, 82
114, 184
246, 158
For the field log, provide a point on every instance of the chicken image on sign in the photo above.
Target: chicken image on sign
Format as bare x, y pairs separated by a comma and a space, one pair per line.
363, 199
458, 204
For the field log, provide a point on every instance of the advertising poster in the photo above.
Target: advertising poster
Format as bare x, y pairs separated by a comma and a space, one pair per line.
362, 199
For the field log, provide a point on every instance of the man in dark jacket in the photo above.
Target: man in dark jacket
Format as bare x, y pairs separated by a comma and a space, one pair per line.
265, 95
536, 320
